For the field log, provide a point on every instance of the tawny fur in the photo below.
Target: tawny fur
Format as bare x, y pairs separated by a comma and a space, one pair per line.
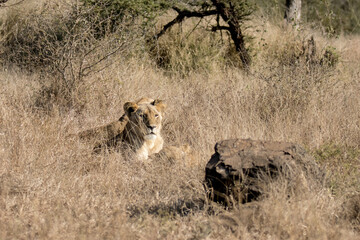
138, 129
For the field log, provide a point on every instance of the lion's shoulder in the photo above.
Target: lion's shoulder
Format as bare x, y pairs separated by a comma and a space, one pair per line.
105, 132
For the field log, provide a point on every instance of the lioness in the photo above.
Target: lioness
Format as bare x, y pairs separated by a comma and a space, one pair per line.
138, 129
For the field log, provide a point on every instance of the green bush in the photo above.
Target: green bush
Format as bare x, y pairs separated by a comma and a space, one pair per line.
334, 16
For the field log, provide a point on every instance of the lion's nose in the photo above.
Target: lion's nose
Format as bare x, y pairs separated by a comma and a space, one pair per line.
151, 127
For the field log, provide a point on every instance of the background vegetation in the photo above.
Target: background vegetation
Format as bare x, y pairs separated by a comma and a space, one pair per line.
66, 67
332, 17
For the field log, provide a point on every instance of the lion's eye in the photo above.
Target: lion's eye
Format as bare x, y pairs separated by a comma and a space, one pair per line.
156, 115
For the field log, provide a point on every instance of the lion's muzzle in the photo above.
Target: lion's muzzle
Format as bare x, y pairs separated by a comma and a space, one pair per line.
151, 132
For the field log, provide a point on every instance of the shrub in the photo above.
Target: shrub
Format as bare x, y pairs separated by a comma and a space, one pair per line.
330, 57
333, 17
31, 39
181, 52
341, 162
61, 43
108, 15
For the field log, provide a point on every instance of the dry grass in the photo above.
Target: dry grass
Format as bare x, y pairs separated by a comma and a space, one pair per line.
51, 188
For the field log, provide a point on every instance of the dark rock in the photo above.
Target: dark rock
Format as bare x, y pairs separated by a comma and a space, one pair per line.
241, 168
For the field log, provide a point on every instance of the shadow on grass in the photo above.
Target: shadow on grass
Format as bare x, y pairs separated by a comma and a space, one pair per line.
180, 208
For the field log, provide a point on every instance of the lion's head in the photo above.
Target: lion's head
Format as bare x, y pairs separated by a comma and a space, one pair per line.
145, 117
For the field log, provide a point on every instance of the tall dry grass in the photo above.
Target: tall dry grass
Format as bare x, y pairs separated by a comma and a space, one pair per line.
51, 188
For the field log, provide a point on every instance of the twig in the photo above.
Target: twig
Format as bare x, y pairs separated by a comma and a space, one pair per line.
217, 28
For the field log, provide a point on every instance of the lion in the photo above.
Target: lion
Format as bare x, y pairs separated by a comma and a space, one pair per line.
139, 129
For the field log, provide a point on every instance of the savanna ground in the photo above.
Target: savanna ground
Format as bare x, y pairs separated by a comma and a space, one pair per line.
53, 188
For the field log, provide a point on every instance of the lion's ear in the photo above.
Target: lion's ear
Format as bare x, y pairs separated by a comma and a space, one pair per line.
130, 107
159, 104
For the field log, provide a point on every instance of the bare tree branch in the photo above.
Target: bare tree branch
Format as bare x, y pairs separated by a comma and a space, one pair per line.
217, 28
11, 5
228, 13
182, 14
